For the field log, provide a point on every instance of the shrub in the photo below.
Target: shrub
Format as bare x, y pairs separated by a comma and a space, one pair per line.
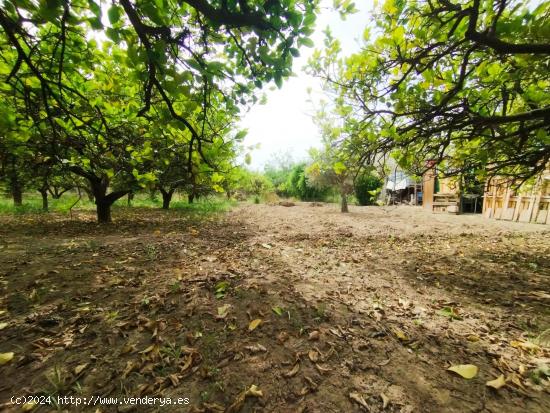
366, 188
299, 186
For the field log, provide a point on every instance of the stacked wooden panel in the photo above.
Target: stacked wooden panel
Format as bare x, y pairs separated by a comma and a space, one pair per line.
504, 200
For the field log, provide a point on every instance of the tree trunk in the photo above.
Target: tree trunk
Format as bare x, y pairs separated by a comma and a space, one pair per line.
99, 186
103, 200
344, 203
191, 197
103, 211
44, 194
17, 194
130, 198
166, 197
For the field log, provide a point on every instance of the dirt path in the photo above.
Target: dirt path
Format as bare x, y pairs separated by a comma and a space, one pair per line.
359, 312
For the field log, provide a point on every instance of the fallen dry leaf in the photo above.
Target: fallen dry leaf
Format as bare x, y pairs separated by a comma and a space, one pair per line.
148, 349
385, 400
384, 362
404, 303
174, 379
223, 311
400, 334
254, 323
256, 348
313, 356
128, 348
468, 371
254, 391
27, 407
282, 337
130, 367
524, 345
237, 405
497, 383
5, 357
322, 369
293, 371
314, 335
80, 368
187, 363
514, 378
357, 398
3, 325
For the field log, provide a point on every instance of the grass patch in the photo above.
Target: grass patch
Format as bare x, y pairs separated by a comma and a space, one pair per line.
32, 204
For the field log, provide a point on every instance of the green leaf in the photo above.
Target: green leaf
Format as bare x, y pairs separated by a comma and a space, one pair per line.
278, 80
494, 69
278, 310
95, 23
294, 52
449, 312
114, 14
306, 41
221, 289
339, 168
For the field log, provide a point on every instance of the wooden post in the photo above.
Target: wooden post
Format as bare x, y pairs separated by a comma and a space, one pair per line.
494, 200
428, 187
505, 203
536, 206
517, 210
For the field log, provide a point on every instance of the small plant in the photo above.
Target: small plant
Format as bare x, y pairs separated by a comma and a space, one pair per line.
77, 388
151, 252
321, 313
111, 316
256, 199
93, 244
542, 372
239, 293
172, 351
450, 313
212, 371
219, 386
221, 289
175, 287
57, 381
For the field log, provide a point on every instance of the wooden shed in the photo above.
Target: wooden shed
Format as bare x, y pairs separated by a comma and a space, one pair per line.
439, 194
502, 198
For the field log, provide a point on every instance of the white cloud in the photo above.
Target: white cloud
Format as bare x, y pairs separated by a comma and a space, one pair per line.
285, 124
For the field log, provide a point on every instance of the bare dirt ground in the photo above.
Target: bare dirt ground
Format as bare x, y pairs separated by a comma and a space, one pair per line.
320, 311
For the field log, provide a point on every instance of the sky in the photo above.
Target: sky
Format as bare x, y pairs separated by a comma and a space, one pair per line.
284, 124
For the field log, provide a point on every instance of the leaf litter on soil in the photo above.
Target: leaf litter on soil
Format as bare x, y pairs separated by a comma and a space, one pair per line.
345, 318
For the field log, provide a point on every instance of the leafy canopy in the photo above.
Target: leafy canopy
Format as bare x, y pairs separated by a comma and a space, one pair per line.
460, 82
